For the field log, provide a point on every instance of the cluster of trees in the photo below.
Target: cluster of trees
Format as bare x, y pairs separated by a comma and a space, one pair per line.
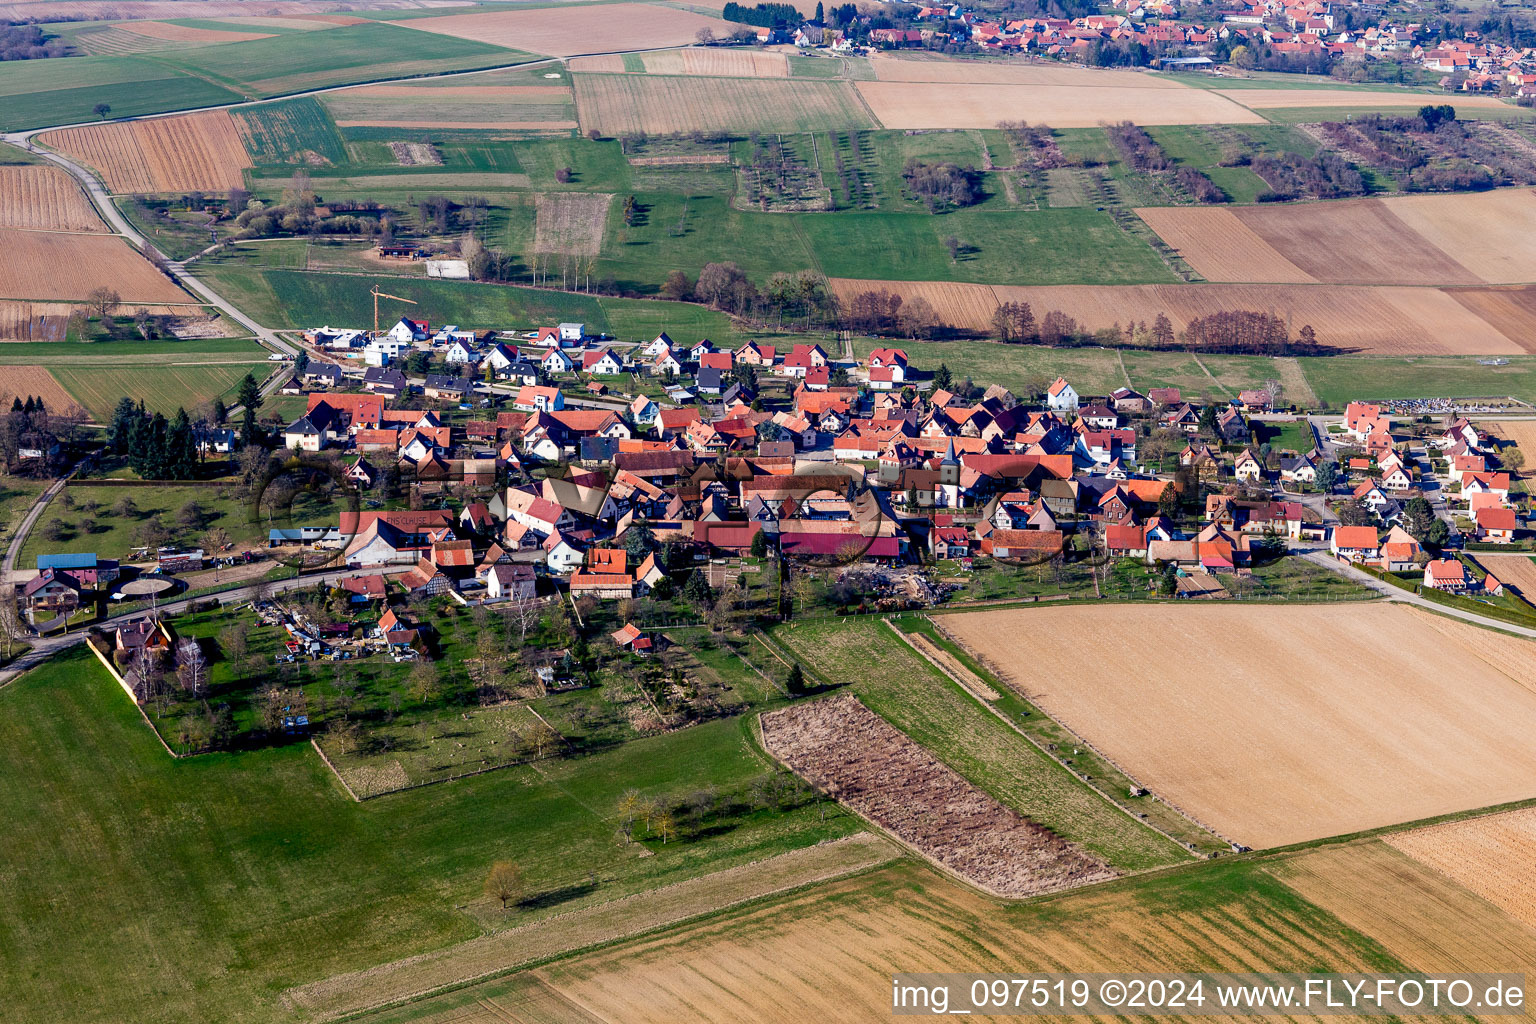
942, 186
1247, 331
298, 213
1324, 176
1034, 143
770, 15
1014, 323
1144, 154
1437, 151
28, 42
801, 295
31, 426
1265, 58
155, 448
883, 312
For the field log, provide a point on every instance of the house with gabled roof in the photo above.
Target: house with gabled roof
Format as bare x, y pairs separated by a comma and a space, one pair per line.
1061, 397
1447, 574
1496, 525
1355, 543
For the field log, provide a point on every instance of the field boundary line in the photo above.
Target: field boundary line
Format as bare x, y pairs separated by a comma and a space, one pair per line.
336, 774
1000, 677
1207, 371
1040, 747
1120, 357
877, 857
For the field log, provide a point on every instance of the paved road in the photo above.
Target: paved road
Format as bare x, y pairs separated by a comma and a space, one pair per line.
28, 521
1391, 593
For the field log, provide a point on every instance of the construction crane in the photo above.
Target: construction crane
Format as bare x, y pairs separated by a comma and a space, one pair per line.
377, 295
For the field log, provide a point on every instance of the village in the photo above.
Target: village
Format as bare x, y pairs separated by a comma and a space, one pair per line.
599, 509
1309, 35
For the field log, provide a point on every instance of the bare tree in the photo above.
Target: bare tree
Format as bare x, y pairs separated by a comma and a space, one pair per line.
192, 671
522, 614
103, 301
504, 882
11, 627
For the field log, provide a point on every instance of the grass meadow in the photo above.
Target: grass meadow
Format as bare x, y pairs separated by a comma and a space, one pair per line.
163, 389
293, 299
38, 93
249, 873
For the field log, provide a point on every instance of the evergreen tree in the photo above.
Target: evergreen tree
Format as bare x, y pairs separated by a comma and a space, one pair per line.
157, 450
696, 591
819, 13
249, 394
250, 433
639, 541
942, 378
16, 404
181, 449
759, 544
121, 431
220, 412
795, 684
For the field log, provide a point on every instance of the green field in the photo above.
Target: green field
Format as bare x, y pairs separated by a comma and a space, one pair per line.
1334, 380
163, 389
38, 93
863, 654
253, 872
292, 299
283, 132
313, 60
127, 352
115, 536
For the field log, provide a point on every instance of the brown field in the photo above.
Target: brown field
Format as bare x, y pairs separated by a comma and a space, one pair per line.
603, 63
1492, 234
1372, 320
561, 31
1357, 241
805, 7
542, 126
53, 265
828, 955
1278, 725
184, 152
590, 925
907, 105
662, 104
847, 750
893, 68
121, 10
571, 222
1220, 246
187, 34
508, 93
45, 198
33, 321
719, 63
1274, 99
1490, 855
1511, 311
37, 382
1422, 918
1517, 573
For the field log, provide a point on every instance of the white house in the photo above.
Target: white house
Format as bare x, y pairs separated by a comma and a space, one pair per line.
556, 361
407, 331
661, 343
573, 334
666, 361
306, 435
643, 411
1062, 397
461, 353
602, 362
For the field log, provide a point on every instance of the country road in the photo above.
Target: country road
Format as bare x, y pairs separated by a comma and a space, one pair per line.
44, 648
1391, 593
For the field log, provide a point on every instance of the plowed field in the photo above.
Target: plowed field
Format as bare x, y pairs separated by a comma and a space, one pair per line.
718, 62
36, 382
1281, 724
52, 265
660, 104
44, 198
1275, 99
1220, 246
1354, 242
568, 29
184, 152
910, 105
1381, 321
1490, 855
571, 222
892, 68
1492, 234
